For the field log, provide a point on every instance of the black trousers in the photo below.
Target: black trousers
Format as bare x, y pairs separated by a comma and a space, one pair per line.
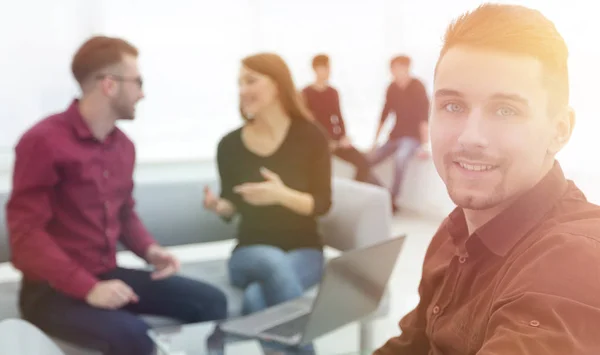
360, 162
120, 331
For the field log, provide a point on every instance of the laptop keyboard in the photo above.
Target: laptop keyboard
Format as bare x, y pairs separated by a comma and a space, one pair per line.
290, 328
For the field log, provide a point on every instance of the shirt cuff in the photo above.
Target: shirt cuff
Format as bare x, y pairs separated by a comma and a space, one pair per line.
141, 245
79, 284
137, 238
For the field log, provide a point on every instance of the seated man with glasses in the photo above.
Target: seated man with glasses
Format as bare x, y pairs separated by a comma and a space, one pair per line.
70, 204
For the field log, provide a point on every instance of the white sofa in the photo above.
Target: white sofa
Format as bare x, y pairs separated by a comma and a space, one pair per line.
173, 212
422, 190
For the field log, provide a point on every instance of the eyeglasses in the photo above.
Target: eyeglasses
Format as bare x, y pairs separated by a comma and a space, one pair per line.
138, 80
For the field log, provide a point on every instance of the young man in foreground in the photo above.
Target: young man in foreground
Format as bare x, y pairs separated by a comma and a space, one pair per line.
515, 267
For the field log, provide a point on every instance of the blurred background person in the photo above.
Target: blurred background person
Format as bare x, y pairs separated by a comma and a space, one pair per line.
407, 99
323, 101
72, 203
275, 173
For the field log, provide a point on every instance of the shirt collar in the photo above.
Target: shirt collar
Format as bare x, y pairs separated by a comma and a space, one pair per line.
75, 118
81, 128
505, 230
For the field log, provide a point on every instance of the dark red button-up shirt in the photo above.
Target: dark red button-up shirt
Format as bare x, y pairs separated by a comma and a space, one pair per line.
71, 201
325, 107
526, 283
411, 107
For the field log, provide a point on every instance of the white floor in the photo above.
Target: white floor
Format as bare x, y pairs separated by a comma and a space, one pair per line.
403, 285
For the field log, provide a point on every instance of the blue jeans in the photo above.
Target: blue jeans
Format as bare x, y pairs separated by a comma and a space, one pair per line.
121, 331
270, 275
403, 149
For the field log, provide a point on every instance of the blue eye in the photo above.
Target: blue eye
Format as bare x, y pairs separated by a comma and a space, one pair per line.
453, 107
505, 111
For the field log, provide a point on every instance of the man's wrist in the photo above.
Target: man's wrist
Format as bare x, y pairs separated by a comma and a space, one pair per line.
149, 250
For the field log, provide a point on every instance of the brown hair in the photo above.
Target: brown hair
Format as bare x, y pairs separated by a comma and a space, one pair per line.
517, 30
98, 53
320, 60
274, 67
401, 60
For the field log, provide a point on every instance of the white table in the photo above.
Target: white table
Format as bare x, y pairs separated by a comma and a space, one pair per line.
206, 338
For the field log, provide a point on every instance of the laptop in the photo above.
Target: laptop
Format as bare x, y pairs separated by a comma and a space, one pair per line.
352, 287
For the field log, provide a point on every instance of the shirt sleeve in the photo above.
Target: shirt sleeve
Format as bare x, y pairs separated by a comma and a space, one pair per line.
134, 234
28, 212
549, 302
338, 112
320, 174
413, 339
422, 103
226, 157
387, 107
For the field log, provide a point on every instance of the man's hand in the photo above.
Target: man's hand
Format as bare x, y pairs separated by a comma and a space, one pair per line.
111, 294
345, 142
374, 147
165, 264
424, 152
333, 145
264, 193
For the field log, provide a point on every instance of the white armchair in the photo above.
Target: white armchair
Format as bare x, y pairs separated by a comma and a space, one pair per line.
360, 215
20, 337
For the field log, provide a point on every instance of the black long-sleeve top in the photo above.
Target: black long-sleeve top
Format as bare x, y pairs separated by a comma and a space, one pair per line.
303, 162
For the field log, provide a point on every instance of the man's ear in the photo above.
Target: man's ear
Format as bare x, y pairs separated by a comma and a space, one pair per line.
108, 86
564, 123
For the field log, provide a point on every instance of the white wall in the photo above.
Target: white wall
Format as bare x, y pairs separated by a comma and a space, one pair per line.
190, 53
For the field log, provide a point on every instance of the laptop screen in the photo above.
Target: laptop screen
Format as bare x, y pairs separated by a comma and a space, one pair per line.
352, 287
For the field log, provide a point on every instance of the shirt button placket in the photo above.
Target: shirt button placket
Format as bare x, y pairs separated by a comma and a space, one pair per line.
105, 258
106, 207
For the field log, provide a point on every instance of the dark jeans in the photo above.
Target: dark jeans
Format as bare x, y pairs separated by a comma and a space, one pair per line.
121, 331
360, 162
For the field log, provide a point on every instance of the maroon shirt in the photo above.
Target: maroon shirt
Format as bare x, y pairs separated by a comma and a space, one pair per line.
526, 283
325, 107
71, 201
411, 107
